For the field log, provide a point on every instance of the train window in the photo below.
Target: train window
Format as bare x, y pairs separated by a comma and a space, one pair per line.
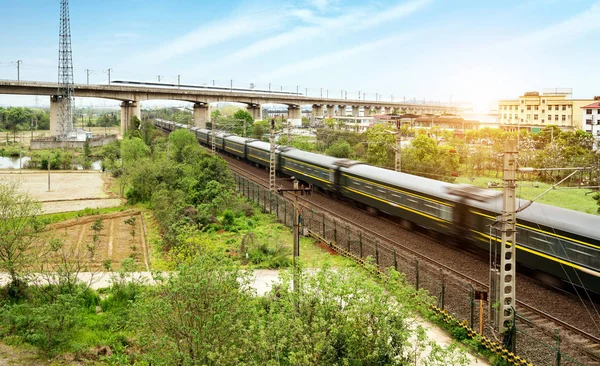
446, 212
411, 202
396, 197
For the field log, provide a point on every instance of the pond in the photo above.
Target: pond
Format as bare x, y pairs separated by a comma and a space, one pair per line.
13, 163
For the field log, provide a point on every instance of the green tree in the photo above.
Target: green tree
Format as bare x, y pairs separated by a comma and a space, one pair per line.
259, 129
380, 142
239, 117
179, 140
339, 149
133, 149
19, 228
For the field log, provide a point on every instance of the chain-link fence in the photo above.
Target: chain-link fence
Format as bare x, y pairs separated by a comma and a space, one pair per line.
454, 296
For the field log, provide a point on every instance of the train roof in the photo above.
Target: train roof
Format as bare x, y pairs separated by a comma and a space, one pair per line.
261, 145
312, 158
563, 219
222, 134
203, 130
234, 138
415, 183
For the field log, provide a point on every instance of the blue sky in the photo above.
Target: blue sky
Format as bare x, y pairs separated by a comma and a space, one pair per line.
477, 51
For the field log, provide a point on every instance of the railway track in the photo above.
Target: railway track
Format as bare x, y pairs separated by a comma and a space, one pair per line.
585, 342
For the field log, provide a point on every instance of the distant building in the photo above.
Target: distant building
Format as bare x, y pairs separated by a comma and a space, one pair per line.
533, 111
590, 115
79, 135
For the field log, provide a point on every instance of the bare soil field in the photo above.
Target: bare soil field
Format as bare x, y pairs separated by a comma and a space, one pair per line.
69, 190
116, 241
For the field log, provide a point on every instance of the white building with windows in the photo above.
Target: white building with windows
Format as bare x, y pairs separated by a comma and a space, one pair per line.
591, 119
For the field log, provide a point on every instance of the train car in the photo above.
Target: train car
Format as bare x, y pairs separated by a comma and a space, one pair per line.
569, 251
413, 199
258, 152
315, 169
202, 135
220, 140
236, 145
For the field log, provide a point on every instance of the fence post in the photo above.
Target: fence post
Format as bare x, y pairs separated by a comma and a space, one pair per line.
377, 253
335, 231
471, 304
348, 237
324, 226
395, 261
270, 202
443, 289
558, 354
284, 212
417, 273
277, 205
264, 200
360, 243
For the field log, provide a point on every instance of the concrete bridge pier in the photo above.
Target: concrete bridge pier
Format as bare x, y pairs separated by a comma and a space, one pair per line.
330, 110
355, 110
129, 109
366, 111
54, 113
317, 111
201, 114
256, 111
295, 115
341, 110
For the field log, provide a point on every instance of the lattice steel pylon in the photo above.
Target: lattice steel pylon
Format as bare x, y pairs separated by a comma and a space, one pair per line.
508, 261
65, 74
272, 167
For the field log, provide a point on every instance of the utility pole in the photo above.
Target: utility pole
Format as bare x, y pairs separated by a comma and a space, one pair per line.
321, 92
48, 172
504, 289
19, 62
269, 87
398, 165
231, 85
272, 167
297, 87
21, 154
214, 130
302, 190
87, 74
178, 81
109, 70
158, 77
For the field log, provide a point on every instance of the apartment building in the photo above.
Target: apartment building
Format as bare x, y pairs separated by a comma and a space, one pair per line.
533, 111
590, 115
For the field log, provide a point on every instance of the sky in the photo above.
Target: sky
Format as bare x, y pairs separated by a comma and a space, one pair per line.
439, 50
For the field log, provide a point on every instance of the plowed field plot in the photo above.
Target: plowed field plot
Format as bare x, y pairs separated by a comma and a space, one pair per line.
121, 236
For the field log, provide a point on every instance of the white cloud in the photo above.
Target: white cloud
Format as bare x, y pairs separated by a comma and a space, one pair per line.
322, 5
563, 31
354, 20
205, 36
331, 58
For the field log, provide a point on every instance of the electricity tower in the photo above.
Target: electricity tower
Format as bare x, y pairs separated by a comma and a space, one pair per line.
65, 74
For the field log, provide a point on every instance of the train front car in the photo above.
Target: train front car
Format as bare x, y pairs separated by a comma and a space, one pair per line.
315, 169
412, 199
558, 246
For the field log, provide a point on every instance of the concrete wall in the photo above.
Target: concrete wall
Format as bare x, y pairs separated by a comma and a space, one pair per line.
51, 143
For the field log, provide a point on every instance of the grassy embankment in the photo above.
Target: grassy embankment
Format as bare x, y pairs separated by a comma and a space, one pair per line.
571, 198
